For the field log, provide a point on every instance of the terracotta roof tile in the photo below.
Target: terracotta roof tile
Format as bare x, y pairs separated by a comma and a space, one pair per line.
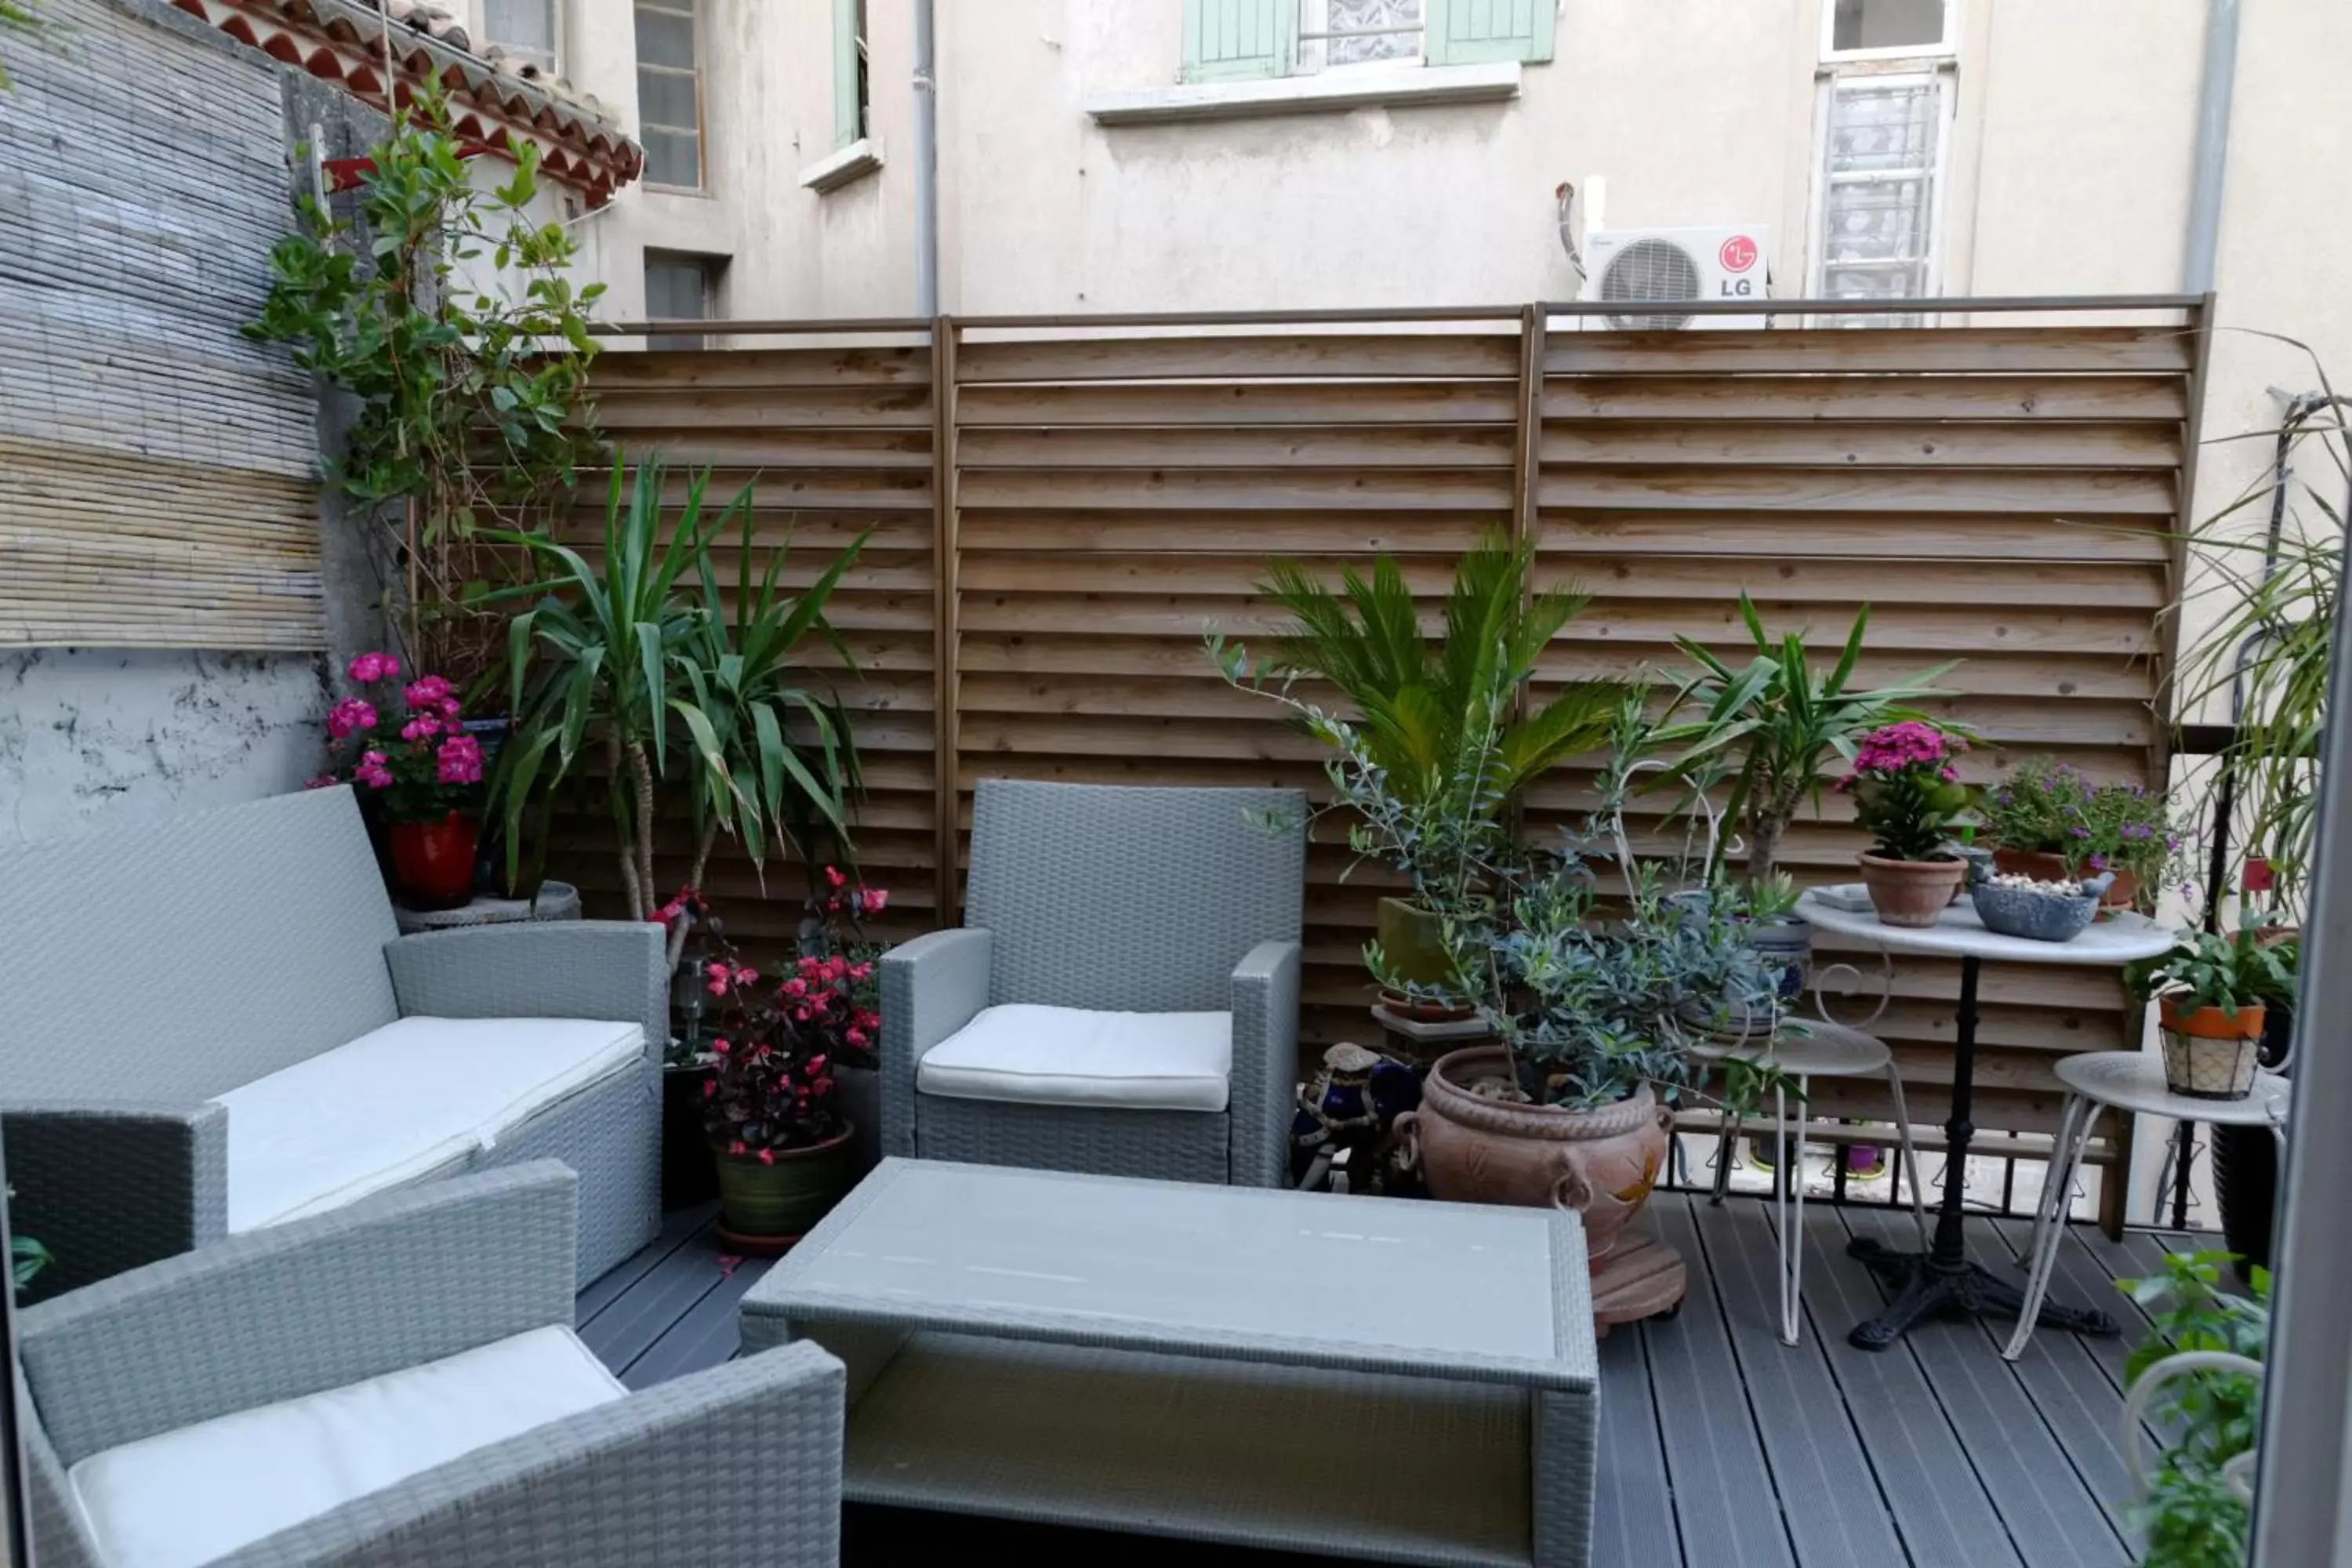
494, 98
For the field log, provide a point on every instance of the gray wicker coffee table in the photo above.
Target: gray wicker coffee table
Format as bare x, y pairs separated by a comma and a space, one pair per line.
1371, 1378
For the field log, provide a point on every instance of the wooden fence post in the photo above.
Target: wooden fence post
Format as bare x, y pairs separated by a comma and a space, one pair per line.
945, 762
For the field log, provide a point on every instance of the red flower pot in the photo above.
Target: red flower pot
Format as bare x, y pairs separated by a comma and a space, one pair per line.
433, 862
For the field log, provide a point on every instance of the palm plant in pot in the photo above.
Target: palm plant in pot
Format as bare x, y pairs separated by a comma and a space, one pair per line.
2210, 989
1447, 732
1907, 794
1771, 728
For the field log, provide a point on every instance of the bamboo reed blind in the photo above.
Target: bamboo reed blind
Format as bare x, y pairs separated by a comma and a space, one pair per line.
1052, 535
156, 471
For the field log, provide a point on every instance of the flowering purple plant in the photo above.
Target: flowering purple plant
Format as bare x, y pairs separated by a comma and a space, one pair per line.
2051, 807
427, 769
1907, 789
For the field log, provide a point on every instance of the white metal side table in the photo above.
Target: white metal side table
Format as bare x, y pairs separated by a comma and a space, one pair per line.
2131, 1083
1941, 1281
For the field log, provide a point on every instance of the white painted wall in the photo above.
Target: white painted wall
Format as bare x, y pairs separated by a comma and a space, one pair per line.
88, 735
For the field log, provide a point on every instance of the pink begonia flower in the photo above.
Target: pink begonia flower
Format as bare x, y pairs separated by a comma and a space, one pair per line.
832, 876
717, 976
426, 691
856, 1036
745, 976
460, 761
374, 666
349, 717
767, 1156
874, 900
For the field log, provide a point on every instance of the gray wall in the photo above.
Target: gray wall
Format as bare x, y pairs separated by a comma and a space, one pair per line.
93, 734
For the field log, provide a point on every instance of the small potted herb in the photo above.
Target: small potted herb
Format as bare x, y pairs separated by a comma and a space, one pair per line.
1907, 794
2209, 989
2051, 824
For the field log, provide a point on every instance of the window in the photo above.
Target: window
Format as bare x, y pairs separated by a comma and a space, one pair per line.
1883, 143
681, 288
523, 28
670, 93
1886, 29
853, 114
1229, 40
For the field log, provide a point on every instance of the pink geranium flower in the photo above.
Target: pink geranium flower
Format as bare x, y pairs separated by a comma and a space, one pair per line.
374, 666
460, 761
349, 717
426, 691
373, 772
424, 727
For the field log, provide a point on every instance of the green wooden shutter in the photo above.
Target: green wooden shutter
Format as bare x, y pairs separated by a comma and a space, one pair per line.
846, 128
1463, 32
1227, 40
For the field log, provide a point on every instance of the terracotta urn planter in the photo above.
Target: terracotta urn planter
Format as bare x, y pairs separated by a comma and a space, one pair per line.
1474, 1149
433, 862
2046, 866
1911, 892
2210, 1054
765, 1206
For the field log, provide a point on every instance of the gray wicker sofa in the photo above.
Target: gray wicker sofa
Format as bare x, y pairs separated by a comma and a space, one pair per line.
396, 1385
1123, 996
210, 1023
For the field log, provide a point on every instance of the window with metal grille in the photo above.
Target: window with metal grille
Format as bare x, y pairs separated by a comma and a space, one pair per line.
1882, 153
670, 93
681, 288
1335, 34
525, 29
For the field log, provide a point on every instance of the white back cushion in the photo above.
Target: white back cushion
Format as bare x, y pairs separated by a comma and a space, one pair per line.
186, 1497
401, 1102
1071, 1056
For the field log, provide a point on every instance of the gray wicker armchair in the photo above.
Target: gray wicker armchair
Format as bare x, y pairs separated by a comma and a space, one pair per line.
287, 1398
211, 1023
1123, 998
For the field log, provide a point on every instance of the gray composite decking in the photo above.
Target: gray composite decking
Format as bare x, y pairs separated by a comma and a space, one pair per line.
1720, 1448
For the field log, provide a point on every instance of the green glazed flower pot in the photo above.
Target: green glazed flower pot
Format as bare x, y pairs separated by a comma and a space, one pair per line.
1413, 940
767, 1208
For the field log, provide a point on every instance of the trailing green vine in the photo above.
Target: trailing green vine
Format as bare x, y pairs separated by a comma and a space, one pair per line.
444, 311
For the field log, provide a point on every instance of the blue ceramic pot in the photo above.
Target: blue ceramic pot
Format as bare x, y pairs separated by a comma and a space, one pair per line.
2042, 917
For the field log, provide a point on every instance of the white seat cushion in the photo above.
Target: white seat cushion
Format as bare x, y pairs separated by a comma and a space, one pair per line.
403, 1102
189, 1496
1069, 1056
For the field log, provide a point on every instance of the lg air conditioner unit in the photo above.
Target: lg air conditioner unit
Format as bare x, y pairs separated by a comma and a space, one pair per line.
1660, 267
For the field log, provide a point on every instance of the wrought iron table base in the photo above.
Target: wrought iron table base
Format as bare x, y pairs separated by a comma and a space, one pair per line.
1924, 1289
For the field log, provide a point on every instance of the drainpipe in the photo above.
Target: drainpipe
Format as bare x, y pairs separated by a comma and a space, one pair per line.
927, 166
2212, 156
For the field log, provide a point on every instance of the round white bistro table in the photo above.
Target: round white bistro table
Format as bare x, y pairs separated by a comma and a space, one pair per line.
2129, 1081
1941, 1281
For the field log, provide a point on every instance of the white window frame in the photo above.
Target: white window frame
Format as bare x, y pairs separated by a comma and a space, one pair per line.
1948, 49
1916, 69
692, 11
555, 32
1300, 66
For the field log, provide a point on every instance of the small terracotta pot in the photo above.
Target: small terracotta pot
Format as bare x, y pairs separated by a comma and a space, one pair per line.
1910, 892
2046, 866
433, 862
2207, 1053
1472, 1149
766, 1208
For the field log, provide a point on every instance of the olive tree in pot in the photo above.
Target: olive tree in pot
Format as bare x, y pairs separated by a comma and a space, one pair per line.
1447, 732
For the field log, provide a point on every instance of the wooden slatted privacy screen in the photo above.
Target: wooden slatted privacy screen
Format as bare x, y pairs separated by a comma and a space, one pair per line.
1052, 537
156, 471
